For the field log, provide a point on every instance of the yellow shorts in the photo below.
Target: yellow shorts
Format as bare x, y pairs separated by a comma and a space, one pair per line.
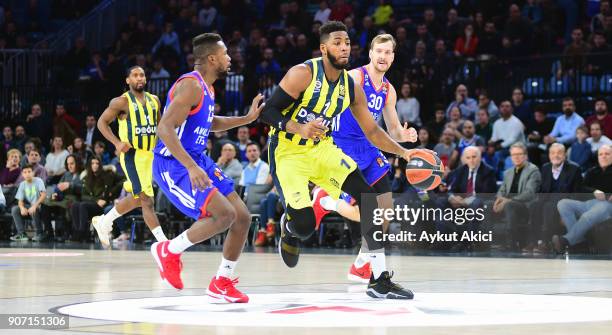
138, 168
292, 166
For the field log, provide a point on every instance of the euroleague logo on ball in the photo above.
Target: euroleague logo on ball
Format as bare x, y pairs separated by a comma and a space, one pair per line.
416, 163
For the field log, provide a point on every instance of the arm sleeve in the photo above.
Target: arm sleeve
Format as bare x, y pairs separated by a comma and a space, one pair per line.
271, 114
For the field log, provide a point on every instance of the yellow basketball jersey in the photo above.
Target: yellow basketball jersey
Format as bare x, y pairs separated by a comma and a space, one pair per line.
321, 98
139, 128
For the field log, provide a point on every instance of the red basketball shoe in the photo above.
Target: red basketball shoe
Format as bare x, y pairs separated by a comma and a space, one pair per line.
169, 264
222, 290
320, 212
360, 275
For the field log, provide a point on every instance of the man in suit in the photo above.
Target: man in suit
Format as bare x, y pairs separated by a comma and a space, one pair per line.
580, 216
91, 134
467, 185
518, 189
559, 176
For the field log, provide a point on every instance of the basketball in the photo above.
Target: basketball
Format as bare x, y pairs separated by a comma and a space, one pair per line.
425, 171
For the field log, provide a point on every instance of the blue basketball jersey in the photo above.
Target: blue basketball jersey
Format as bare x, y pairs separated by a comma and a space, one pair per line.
193, 133
345, 126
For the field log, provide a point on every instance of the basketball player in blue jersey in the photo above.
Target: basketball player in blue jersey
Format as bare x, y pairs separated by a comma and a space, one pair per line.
191, 180
349, 136
300, 111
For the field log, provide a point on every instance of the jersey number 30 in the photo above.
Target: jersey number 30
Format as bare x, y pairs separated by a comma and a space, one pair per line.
375, 101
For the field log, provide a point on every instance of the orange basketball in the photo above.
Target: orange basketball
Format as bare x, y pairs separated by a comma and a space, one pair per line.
424, 170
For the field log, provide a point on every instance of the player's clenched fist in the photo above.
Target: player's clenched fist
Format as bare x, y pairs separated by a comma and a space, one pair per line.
314, 129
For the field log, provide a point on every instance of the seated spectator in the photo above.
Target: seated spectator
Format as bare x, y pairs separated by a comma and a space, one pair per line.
580, 152
602, 116
100, 151
565, 127
80, 150
34, 162
322, 14
29, 145
467, 105
38, 123
558, 176
63, 195
535, 134
56, 160
521, 107
507, 130
426, 139
469, 138
91, 134
7, 138
455, 121
243, 141
437, 124
99, 188
465, 183
580, 216
20, 138
257, 172
267, 214
30, 195
64, 125
518, 190
466, 44
446, 149
228, 163
408, 107
12, 171
597, 138
484, 127
484, 102
168, 41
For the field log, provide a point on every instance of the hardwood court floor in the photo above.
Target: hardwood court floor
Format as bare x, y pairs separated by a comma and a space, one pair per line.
453, 294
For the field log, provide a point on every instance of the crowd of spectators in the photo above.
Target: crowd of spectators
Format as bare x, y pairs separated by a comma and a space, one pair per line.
504, 147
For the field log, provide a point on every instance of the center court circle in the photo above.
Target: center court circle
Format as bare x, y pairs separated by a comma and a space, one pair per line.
351, 310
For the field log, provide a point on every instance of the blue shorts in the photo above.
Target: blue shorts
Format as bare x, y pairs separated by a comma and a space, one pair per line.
173, 179
372, 163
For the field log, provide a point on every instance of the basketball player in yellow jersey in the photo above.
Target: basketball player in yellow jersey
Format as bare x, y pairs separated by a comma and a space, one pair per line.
300, 111
137, 112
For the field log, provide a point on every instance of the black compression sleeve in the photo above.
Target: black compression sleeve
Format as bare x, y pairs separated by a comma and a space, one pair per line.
272, 110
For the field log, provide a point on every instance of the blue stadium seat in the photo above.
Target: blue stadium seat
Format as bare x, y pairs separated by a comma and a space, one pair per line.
533, 86
605, 83
559, 86
588, 84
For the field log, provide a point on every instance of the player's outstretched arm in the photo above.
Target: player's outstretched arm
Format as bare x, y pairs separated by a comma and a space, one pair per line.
396, 130
221, 123
187, 93
109, 115
289, 89
375, 134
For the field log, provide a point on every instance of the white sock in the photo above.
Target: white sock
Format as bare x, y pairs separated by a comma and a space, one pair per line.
329, 204
361, 259
179, 243
377, 260
111, 216
226, 268
159, 234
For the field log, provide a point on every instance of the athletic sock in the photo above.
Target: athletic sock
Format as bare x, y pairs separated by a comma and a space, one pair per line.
111, 216
179, 243
377, 260
361, 259
329, 204
159, 234
226, 268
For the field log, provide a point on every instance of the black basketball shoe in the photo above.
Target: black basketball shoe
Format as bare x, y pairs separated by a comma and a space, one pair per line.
384, 288
289, 245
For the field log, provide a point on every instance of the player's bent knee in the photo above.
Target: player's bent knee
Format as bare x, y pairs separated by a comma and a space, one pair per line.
226, 217
303, 222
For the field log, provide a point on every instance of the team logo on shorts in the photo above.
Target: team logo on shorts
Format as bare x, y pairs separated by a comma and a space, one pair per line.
380, 162
218, 174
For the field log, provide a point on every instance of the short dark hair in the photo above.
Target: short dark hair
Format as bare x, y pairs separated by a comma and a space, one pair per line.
28, 166
438, 107
129, 70
600, 98
568, 99
253, 143
100, 143
205, 44
330, 27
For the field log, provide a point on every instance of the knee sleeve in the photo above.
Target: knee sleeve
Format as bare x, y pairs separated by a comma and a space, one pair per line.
301, 222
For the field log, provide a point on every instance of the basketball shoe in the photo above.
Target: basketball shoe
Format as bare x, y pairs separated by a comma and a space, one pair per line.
104, 230
360, 275
384, 288
222, 290
319, 211
289, 245
169, 264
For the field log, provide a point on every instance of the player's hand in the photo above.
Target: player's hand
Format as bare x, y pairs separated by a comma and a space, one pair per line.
256, 107
123, 147
408, 134
408, 153
199, 179
314, 130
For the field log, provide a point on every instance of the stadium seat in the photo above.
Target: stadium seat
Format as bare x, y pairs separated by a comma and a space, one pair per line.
605, 83
588, 84
559, 86
533, 86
